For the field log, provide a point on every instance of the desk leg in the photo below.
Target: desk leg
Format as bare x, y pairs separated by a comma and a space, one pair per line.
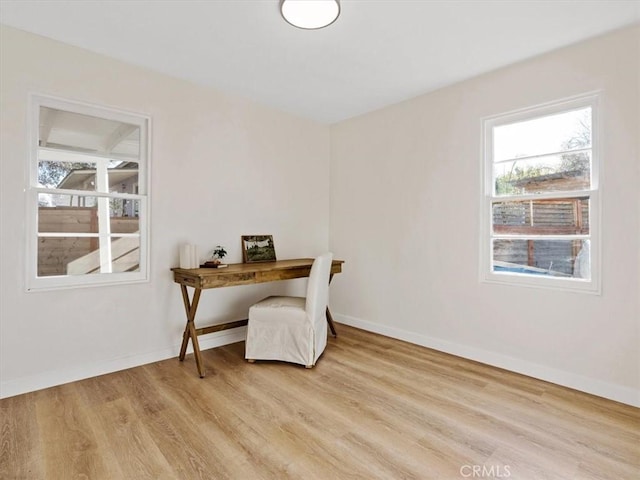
329, 317
330, 322
190, 308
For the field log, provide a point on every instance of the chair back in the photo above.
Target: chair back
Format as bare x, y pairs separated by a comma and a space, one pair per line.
318, 288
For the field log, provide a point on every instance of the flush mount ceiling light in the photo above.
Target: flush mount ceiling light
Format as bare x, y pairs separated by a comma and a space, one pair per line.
310, 14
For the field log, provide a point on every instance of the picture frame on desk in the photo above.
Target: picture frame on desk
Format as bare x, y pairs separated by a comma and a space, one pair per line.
258, 248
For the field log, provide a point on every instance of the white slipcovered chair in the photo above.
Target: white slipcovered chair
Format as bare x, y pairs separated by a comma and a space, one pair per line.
292, 329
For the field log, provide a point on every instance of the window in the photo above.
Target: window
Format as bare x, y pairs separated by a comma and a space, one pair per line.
87, 195
540, 197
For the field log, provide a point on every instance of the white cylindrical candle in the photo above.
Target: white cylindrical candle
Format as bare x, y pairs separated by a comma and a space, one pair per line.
185, 256
195, 262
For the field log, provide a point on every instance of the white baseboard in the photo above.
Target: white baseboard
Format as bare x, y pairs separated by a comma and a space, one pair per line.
32, 383
599, 388
614, 392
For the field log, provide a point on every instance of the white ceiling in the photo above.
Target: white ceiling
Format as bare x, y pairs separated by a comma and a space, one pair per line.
379, 52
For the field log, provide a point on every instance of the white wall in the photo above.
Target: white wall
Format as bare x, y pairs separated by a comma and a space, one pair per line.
221, 167
405, 193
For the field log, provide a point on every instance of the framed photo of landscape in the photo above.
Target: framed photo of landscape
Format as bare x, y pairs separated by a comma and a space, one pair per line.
258, 248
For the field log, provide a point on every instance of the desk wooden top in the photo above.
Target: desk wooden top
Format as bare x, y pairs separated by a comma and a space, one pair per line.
247, 273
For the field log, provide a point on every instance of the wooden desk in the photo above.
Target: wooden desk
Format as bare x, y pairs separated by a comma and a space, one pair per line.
235, 274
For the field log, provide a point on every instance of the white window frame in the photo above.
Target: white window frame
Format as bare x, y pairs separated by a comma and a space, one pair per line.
592, 285
38, 283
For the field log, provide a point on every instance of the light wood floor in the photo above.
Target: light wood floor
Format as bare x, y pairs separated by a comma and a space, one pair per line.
372, 408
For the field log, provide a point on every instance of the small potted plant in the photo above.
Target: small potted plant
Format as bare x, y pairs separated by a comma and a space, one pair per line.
217, 257
219, 253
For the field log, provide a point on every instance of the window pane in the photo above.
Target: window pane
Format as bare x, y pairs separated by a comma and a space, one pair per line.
69, 175
76, 132
123, 178
551, 173
124, 215
125, 252
64, 200
542, 217
560, 258
543, 135
67, 213
81, 255
58, 255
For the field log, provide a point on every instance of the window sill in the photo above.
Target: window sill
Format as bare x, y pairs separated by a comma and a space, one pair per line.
573, 285
41, 284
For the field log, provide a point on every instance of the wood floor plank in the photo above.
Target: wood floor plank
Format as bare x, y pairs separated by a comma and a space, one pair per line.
69, 446
372, 408
232, 443
20, 448
127, 437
